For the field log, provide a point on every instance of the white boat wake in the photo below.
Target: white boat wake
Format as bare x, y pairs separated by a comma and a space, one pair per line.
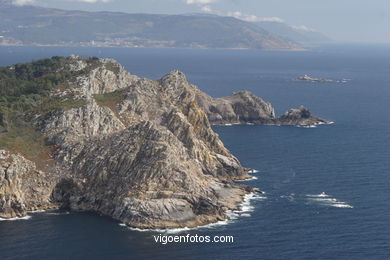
324, 199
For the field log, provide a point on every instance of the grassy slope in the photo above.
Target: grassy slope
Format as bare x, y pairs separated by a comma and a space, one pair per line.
24, 91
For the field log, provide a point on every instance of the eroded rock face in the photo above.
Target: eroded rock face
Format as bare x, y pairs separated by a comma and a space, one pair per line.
22, 187
73, 125
241, 107
149, 159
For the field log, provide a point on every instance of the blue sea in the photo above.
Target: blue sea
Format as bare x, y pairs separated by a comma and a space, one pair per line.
327, 189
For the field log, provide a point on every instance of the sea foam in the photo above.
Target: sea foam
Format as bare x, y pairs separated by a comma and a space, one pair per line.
243, 211
14, 219
36, 211
249, 179
178, 230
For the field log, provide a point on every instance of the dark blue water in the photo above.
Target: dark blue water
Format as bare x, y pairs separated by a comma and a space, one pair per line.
349, 161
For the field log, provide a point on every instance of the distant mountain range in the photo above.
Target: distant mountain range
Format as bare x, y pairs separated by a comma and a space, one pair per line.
33, 25
302, 35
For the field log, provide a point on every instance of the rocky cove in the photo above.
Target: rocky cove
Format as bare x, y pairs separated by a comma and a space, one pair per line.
140, 151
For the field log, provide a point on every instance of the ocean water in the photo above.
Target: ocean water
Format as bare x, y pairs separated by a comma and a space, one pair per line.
327, 189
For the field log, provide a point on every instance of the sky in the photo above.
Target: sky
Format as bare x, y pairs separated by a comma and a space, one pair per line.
342, 20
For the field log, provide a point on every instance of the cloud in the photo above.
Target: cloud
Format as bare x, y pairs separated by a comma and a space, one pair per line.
271, 19
23, 2
203, 5
200, 2
91, 1
207, 9
31, 2
303, 28
254, 18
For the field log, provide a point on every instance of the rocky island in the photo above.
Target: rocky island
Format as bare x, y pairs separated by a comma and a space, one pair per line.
84, 134
311, 79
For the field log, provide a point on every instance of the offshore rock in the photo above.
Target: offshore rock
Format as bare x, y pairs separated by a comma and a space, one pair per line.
301, 117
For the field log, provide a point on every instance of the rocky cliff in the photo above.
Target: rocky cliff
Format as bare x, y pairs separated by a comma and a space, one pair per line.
138, 150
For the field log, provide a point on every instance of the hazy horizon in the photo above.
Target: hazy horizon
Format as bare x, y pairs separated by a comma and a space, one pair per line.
347, 21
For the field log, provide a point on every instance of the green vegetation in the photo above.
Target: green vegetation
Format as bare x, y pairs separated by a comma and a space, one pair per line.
55, 103
113, 67
24, 91
109, 99
22, 138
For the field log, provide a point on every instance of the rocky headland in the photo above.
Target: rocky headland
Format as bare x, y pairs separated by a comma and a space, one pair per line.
84, 134
245, 108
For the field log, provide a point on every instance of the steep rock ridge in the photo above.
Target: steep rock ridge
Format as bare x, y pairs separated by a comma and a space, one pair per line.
171, 102
107, 76
138, 150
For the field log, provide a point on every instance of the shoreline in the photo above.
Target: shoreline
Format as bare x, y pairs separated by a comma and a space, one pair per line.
243, 210
294, 125
152, 47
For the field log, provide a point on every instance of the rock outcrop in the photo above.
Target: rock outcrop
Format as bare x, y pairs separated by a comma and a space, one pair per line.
310, 79
301, 117
245, 108
138, 150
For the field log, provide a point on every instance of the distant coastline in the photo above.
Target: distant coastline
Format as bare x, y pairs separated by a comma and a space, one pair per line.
89, 45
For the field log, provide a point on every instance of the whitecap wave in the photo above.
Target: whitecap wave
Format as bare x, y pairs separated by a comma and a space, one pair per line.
246, 205
343, 80
14, 219
167, 231
249, 179
315, 125
290, 197
36, 211
321, 195
306, 126
328, 123
178, 230
253, 171
230, 124
324, 199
